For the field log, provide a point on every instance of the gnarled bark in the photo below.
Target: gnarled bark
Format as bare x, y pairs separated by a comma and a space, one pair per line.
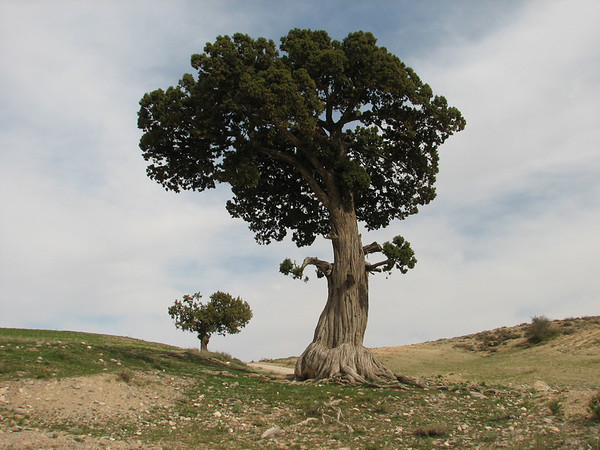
337, 347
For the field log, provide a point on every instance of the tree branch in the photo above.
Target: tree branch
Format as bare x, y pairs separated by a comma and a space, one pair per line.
374, 247
313, 184
375, 267
323, 266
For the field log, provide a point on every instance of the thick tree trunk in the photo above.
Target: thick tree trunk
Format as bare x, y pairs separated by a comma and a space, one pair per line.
337, 349
204, 342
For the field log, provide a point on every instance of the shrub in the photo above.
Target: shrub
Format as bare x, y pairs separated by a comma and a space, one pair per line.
431, 432
124, 376
556, 407
312, 409
594, 406
540, 330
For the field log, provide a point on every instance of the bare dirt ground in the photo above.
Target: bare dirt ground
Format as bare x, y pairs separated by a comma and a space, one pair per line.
28, 406
92, 399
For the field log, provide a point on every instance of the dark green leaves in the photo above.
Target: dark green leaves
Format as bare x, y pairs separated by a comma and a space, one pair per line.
287, 267
300, 131
399, 255
223, 314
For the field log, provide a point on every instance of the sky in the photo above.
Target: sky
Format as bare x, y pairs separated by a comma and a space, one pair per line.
89, 243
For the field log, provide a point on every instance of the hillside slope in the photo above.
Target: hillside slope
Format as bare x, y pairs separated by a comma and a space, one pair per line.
571, 358
78, 390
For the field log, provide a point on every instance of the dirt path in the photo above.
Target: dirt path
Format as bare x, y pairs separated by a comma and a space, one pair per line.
272, 368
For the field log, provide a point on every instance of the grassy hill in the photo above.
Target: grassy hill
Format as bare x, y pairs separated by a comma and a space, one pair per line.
570, 357
71, 390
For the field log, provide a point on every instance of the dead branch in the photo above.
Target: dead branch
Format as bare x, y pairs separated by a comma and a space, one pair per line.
323, 266
306, 422
375, 267
374, 247
334, 420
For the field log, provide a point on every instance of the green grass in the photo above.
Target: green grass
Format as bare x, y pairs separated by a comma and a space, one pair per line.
225, 405
58, 354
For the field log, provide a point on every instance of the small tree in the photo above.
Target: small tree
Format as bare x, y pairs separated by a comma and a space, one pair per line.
223, 314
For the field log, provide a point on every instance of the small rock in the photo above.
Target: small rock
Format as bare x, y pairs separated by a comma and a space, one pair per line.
21, 412
272, 432
540, 386
217, 414
477, 394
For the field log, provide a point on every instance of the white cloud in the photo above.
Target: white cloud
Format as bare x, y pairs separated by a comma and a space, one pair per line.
89, 243
512, 232
528, 93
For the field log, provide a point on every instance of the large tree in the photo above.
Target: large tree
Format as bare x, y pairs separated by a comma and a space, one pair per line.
313, 138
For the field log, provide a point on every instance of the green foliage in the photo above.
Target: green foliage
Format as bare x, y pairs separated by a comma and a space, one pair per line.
287, 267
299, 131
540, 330
556, 407
399, 255
223, 314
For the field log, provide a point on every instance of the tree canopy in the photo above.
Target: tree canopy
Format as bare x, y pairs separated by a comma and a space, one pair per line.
223, 314
298, 130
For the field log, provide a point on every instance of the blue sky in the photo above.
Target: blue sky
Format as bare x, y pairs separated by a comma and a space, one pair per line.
89, 243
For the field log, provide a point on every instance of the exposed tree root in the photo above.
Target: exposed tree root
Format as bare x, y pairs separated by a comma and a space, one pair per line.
409, 381
353, 364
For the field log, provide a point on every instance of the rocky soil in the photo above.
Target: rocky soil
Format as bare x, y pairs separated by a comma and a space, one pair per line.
57, 414
27, 407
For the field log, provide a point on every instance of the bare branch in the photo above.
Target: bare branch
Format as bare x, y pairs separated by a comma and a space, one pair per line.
323, 266
375, 267
372, 248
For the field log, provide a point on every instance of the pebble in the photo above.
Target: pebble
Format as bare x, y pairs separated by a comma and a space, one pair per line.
477, 394
272, 432
21, 412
